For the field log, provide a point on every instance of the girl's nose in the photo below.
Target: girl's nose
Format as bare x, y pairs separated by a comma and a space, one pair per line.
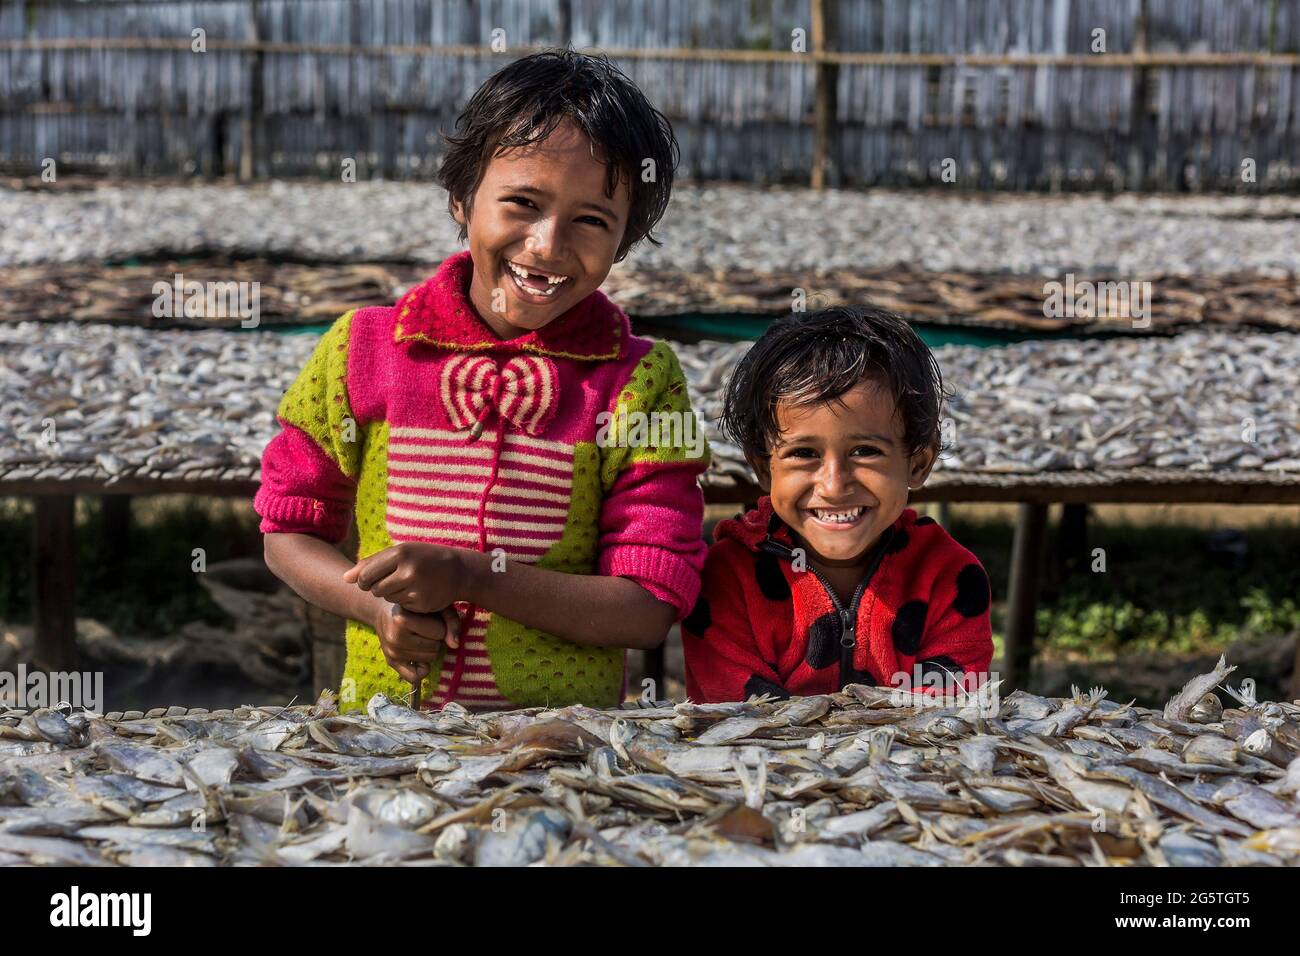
833, 477
544, 240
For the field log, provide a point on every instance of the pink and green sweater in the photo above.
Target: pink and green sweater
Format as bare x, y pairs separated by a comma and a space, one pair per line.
433, 429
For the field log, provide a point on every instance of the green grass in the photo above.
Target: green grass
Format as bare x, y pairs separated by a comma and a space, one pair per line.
1163, 589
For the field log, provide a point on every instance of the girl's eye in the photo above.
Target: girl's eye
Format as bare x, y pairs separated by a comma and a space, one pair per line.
525, 201
800, 453
866, 450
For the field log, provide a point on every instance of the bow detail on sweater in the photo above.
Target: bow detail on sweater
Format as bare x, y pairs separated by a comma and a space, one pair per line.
524, 391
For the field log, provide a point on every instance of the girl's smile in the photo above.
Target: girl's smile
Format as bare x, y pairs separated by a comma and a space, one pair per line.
836, 520
535, 284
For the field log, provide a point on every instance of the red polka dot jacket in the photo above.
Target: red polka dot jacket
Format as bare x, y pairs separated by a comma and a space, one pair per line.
761, 626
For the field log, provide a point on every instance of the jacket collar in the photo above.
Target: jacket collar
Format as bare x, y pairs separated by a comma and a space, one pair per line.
756, 526
438, 312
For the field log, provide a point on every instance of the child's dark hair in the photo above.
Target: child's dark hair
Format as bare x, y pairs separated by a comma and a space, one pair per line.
524, 102
809, 358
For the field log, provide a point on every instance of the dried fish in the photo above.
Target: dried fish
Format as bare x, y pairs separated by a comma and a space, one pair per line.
143, 410
844, 779
707, 231
1183, 703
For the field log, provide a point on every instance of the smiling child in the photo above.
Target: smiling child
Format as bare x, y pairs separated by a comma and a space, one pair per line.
509, 553
832, 579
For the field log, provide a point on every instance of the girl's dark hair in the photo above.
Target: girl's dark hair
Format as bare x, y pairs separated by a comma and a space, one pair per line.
524, 102
810, 358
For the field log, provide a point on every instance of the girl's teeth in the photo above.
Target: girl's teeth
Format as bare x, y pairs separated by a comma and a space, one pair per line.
548, 291
839, 517
551, 280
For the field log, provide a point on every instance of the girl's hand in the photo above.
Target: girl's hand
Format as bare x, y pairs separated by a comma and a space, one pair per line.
410, 640
423, 578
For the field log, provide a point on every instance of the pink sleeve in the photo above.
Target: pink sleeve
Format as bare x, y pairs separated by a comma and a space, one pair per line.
303, 490
650, 531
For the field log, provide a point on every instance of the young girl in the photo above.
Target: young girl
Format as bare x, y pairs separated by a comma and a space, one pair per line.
832, 579
510, 552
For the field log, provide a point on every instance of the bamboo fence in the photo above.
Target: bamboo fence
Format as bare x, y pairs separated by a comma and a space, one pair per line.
1187, 94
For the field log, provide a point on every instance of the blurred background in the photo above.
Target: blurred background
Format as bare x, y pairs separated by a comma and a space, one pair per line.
1090, 209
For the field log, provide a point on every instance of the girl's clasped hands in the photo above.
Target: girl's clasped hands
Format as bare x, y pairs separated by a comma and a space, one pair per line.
415, 585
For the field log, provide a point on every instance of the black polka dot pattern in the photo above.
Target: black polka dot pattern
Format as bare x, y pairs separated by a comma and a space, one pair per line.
898, 542
698, 621
824, 641
909, 626
757, 684
972, 598
862, 677
926, 520
943, 665
767, 571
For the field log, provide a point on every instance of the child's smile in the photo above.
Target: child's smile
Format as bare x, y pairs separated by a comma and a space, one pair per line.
840, 475
543, 234
535, 284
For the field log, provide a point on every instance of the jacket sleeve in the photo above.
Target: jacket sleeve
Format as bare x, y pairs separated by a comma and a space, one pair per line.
722, 659
652, 515
959, 638
310, 468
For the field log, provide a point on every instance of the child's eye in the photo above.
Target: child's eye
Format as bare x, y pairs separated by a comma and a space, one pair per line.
800, 453
866, 450
596, 220
521, 199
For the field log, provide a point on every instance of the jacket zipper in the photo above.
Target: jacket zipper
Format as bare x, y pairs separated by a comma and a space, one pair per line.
848, 616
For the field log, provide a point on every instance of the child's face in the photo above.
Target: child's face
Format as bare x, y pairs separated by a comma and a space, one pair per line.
840, 474
543, 208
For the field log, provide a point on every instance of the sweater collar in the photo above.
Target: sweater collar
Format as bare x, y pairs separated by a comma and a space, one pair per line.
439, 312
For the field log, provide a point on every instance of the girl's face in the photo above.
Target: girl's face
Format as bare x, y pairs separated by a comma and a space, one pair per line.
542, 233
840, 473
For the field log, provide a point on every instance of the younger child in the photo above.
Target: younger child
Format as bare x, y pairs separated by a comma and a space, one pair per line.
832, 580
509, 551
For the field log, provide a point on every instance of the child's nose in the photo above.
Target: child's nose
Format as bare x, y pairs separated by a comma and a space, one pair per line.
835, 476
544, 240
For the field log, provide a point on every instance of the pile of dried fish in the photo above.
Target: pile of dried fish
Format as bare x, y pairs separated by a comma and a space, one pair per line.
300, 293
715, 228
846, 779
132, 400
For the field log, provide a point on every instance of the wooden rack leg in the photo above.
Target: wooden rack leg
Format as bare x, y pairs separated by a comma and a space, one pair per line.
1022, 602
115, 539
1072, 541
654, 669
55, 582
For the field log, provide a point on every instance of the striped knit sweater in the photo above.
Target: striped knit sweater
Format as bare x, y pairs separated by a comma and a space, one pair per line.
433, 429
